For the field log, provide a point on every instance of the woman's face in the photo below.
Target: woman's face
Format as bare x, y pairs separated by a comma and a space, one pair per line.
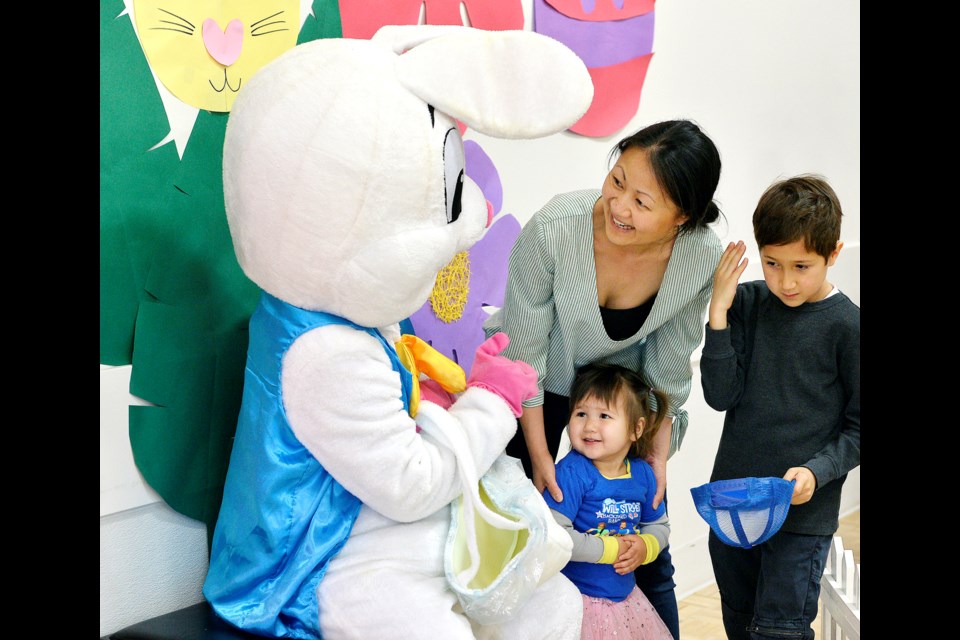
636, 210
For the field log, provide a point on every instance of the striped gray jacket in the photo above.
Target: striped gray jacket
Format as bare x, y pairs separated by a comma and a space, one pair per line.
551, 311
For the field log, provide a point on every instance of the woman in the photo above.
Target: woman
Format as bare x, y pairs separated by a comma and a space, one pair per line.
623, 275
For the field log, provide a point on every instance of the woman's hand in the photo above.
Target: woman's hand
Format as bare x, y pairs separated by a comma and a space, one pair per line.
545, 477
544, 469
659, 465
658, 459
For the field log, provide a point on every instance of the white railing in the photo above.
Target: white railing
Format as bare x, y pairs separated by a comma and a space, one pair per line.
840, 595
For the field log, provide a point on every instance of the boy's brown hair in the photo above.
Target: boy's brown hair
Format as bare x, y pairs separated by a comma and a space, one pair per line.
804, 207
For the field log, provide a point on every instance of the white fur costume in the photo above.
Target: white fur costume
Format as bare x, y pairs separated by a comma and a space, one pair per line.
345, 194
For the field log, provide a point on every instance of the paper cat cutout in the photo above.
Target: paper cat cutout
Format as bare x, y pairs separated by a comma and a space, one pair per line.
204, 51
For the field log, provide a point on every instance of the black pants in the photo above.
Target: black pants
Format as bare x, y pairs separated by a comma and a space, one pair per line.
654, 579
772, 590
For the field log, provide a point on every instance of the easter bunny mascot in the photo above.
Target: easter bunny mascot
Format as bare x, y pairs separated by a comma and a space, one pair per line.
346, 194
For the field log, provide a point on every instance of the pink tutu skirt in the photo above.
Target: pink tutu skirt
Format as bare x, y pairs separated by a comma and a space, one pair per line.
631, 619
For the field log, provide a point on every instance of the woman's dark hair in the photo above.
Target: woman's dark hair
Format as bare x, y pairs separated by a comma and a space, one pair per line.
686, 164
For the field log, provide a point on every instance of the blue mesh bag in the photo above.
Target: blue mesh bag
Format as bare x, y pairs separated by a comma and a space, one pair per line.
746, 511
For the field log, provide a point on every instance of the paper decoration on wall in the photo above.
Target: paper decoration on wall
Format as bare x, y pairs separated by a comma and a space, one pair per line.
481, 274
174, 304
614, 38
602, 10
621, 85
203, 52
360, 19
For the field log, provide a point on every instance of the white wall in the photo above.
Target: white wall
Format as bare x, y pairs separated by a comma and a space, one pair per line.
776, 84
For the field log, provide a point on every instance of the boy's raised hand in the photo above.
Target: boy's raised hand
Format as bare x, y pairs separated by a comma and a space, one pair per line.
725, 279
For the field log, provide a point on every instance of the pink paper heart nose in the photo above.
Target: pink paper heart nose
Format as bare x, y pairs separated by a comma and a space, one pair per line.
224, 46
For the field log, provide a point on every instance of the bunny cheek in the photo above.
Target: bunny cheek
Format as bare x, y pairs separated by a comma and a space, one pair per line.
390, 279
469, 227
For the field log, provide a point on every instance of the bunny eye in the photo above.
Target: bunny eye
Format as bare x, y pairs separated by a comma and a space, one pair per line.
453, 172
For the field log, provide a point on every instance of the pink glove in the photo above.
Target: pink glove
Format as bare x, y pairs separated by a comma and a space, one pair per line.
431, 390
512, 380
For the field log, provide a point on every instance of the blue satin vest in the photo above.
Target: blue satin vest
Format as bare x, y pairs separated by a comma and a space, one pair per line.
283, 517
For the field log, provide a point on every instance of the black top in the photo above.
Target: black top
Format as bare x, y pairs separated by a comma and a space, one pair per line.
620, 324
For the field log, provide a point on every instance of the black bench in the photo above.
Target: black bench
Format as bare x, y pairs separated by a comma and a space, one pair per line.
196, 622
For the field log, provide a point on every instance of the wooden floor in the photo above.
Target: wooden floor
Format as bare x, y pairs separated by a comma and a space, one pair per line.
700, 613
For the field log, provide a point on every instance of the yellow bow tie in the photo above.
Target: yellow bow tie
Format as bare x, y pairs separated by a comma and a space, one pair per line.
419, 357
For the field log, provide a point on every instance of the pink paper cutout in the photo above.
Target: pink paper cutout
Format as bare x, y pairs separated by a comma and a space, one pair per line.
601, 10
616, 97
598, 44
360, 19
223, 46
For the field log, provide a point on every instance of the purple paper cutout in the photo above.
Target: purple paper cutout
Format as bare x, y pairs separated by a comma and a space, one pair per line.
481, 170
489, 262
598, 44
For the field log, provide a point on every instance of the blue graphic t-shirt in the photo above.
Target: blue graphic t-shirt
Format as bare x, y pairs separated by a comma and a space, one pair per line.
604, 507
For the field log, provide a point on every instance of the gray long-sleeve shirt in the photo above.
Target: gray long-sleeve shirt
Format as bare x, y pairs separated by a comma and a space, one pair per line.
789, 380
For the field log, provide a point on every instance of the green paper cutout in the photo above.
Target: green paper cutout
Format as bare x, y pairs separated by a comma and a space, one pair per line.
132, 119
174, 303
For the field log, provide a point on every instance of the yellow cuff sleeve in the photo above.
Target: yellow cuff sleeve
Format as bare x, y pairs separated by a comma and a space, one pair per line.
653, 547
611, 549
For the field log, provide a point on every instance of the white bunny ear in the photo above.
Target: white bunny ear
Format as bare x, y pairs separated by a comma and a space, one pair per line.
399, 38
506, 84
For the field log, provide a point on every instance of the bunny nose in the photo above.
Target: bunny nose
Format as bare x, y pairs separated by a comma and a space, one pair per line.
223, 46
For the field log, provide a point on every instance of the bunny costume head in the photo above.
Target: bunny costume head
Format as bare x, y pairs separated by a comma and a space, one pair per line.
344, 167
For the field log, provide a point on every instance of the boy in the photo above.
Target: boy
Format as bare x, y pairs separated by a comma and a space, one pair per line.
782, 357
